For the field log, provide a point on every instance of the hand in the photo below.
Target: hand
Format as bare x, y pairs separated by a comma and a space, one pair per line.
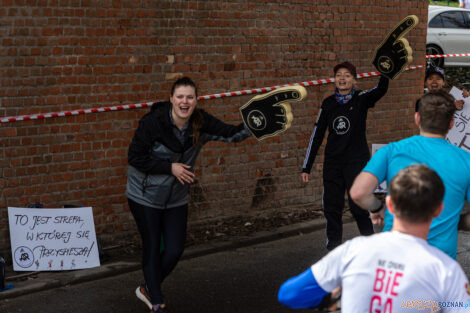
378, 218
305, 177
336, 299
269, 114
464, 222
394, 54
459, 104
331, 302
181, 172
465, 93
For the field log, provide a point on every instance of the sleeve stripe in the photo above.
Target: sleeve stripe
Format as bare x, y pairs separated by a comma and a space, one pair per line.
367, 91
309, 149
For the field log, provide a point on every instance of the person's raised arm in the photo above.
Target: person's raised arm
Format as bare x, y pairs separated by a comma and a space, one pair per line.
373, 95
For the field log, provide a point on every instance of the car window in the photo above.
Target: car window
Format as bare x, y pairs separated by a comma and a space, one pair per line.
454, 19
436, 22
467, 16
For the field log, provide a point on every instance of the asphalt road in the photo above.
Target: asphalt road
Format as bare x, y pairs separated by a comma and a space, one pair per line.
244, 280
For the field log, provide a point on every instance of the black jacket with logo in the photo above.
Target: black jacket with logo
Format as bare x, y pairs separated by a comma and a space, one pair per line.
346, 126
155, 147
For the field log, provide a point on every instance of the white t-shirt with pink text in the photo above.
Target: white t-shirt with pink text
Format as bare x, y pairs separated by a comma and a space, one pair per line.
394, 272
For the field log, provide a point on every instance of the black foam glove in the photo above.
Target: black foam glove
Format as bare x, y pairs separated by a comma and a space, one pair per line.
269, 114
394, 54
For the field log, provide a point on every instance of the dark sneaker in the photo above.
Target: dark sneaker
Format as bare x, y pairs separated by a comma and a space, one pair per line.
142, 294
161, 309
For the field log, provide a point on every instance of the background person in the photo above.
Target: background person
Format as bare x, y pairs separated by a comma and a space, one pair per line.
434, 79
434, 119
393, 271
344, 114
161, 157
464, 4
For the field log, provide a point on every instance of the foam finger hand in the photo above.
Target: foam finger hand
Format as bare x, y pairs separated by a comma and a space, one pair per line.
403, 50
269, 114
394, 54
285, 115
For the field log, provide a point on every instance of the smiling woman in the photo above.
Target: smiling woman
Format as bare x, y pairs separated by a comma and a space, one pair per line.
183, 100
344, 81
161, 157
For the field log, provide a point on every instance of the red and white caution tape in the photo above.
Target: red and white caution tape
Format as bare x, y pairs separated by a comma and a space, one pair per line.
305, 84
207, 97
213, 96
447, 55
265, 89
74, 112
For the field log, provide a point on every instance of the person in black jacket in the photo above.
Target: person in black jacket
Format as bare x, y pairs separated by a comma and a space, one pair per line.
161, 158
344, 114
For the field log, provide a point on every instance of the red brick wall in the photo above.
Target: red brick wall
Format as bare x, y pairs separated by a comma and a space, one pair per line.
68, 54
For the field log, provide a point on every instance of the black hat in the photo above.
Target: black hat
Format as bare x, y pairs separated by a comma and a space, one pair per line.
434, 69
347, 66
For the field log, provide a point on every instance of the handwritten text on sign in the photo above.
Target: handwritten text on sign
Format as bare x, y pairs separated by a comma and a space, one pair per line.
459, 135
52, 239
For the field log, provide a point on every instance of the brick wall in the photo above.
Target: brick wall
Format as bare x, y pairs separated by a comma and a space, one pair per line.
59, 55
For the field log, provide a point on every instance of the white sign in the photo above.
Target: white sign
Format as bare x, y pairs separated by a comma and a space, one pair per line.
382, 188
459, 135
52, 239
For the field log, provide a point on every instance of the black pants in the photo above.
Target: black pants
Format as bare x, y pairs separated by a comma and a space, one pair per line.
152, 223
338, 177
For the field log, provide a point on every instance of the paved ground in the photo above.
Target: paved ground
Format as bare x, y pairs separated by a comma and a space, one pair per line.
241, 276
243, 280
38, 281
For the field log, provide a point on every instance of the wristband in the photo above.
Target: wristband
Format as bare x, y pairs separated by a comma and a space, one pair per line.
378, 209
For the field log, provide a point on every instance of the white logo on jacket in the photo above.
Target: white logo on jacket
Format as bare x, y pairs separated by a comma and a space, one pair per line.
341, 125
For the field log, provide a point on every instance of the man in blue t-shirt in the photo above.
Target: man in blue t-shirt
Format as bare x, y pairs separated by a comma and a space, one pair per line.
434, 118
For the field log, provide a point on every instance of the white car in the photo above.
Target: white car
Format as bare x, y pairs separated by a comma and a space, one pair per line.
448, 33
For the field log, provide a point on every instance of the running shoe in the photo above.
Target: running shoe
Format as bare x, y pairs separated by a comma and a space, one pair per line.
142, 294
161, 309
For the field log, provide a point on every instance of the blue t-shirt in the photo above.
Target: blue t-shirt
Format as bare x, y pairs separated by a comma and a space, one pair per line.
450, 162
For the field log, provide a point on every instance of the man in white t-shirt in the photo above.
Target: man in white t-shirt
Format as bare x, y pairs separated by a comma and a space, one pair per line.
464, 4
396, 271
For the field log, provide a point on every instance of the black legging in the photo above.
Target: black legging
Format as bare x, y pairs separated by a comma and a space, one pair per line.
152, 223
338, 177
